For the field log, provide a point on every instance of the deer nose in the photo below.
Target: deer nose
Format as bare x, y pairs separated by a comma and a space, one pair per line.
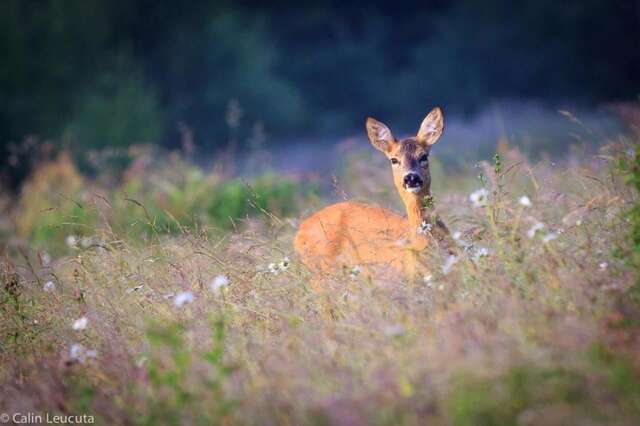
412, 181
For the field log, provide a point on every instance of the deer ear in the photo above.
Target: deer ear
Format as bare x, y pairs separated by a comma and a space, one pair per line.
431, 127
379, 135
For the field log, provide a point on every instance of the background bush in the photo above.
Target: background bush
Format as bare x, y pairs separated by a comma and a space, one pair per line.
57, 202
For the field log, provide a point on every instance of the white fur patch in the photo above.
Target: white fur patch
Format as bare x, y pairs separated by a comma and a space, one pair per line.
384, 134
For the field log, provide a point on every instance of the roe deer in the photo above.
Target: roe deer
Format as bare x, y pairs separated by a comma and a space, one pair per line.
355, 234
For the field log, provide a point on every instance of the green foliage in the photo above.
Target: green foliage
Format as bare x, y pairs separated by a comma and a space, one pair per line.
497, 168
169, 392
56, 203
223, 406
52, 206
11, 306
630, 166
428, 202
620, 375
68, 218
200, 200
173, 397
118, 111
503, 399
499, 401
237, 199
17, 311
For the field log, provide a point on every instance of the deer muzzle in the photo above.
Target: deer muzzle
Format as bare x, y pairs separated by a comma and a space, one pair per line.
413, 182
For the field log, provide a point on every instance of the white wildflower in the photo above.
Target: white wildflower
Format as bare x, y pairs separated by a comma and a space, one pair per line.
355, 271
218, 283
428, 280
141, 361
394, 330
71, 241
441, 287
274, 268
578, 222
538, 226
80, 324
78, 352
480, 252
549, 237
466, 245
284, 265
49, 286
424, 228
183, 298
525, 201
46, 258
603, 266
448, 264
86, 241
479, 198
136, 288
457, 238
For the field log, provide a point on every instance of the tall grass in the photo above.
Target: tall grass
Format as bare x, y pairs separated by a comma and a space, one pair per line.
528, 326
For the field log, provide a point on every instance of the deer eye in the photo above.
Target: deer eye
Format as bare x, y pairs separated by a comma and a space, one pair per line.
424, 160
395, 161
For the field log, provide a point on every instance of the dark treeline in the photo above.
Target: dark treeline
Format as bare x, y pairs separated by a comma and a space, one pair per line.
98, 73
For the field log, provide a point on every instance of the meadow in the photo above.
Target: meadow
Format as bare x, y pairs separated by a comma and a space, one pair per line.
171, 295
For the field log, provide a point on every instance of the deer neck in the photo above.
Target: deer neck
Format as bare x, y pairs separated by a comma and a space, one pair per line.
416, 213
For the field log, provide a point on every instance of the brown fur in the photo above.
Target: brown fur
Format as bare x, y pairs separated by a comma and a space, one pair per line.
350, 233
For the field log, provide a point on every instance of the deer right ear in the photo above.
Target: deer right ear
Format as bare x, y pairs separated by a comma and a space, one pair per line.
379, 135
431, 127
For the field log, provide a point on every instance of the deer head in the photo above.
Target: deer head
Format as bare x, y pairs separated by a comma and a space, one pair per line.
409, 157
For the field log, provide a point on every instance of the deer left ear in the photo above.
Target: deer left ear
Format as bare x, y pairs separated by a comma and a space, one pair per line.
379, 135
431, 127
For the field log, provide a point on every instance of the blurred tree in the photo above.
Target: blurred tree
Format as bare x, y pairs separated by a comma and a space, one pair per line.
117, 110
543, 50
231, 59
49, 50
124, 71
